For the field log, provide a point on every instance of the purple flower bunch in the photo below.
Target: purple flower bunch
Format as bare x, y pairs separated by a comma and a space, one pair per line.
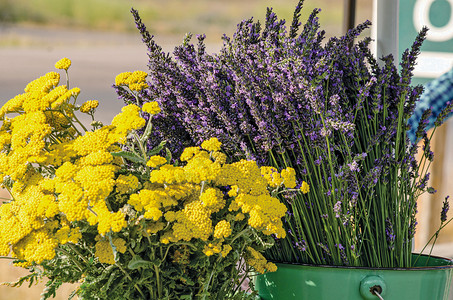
328, 109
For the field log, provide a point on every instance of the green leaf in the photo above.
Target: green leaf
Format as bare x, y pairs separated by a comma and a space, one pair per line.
138, 262
129, 156
168, 154
157, 149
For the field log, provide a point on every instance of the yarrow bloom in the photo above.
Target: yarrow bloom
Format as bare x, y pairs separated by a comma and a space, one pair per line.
63, 64
304, 188
213, 144
155, 161
151, 108
89, 106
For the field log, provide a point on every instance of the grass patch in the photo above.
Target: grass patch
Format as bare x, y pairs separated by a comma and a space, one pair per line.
171, 17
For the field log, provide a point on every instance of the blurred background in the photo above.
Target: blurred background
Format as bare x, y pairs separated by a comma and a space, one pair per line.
100, 38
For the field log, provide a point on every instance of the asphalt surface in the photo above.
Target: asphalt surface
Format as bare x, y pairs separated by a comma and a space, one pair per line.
97, 57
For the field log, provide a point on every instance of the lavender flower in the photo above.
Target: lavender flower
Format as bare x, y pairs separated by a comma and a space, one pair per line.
390, 234
445, 208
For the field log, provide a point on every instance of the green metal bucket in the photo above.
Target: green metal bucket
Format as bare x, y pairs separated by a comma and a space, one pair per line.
429, 279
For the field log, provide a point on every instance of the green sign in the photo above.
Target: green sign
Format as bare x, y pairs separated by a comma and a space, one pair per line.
436, 56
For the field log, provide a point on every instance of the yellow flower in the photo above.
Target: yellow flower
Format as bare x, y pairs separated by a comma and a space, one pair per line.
271, 267
36, 247
63, 64
137, 77
129, 119
111, 221
189, 152
274, 179
258, 261
201, 168
92, 141
222, 230
89, 106
99, 157
234, 191
245, 174
305, 188
212, 198
289, 176
68, 235
168, 174
151, 107
138, 86
212, 249
219, 157
154, 227
213, 144
97, 181
104, 250
152, 201
127, 184
194, 221
265, 212
43, 83
155, 161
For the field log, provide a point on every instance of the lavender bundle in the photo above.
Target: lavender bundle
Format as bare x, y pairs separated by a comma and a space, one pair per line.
328, 110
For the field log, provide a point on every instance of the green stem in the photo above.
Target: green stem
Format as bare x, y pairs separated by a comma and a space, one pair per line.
77, 252
76, 262
159, 284
130, 278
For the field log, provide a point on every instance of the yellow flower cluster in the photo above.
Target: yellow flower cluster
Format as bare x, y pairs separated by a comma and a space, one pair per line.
37, 246
212, 144
104, 251
258, 262
151, 108
136, 81
289, 177
127, 184
211, 249
68, 235
89, 106
58, 175
155, 161
151, 201
54, 170
24, 218
305, 188
273, 177
63, 64
222, 229
129, 119
188, 198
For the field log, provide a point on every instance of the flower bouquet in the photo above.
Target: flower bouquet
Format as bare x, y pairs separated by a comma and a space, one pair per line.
98, 207
329, 110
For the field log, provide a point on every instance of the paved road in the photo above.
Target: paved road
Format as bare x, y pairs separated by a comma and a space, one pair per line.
96, 60
97, 57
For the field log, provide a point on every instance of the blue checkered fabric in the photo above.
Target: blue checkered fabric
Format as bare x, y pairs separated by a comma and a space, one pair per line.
435, 96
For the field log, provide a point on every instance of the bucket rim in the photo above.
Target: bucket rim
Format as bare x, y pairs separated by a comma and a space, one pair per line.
448, 266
